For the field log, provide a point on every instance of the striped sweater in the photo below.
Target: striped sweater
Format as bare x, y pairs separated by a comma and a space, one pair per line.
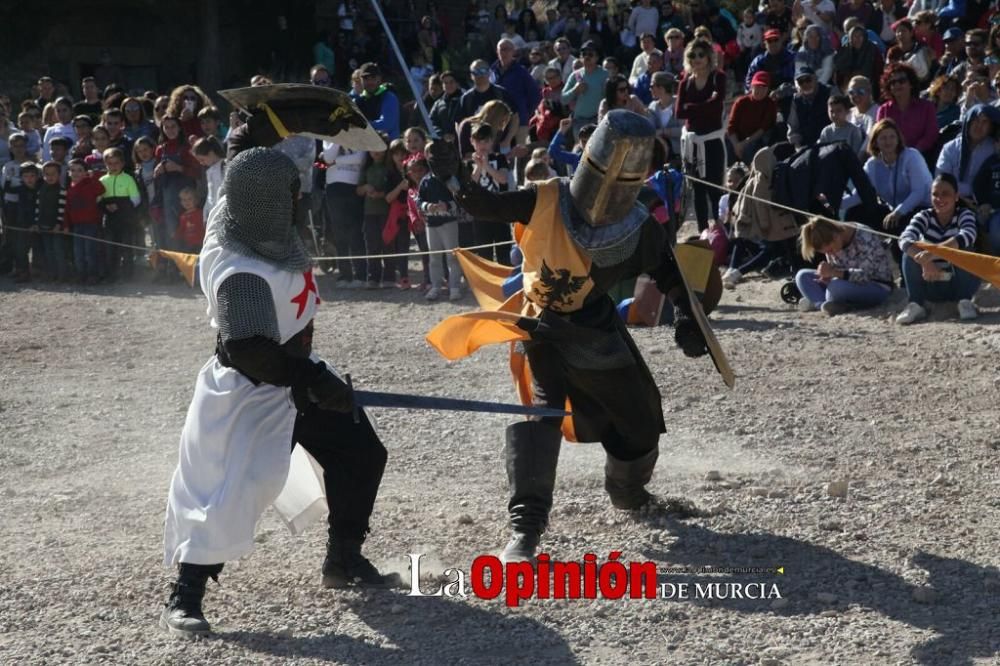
926, 227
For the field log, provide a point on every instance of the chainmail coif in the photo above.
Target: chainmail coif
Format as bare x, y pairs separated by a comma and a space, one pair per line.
256, 215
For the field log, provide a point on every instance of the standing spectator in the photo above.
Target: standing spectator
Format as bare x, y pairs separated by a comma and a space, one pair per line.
396, 231
642, 86
641, 62
176, 169
750, 39
50, 216
899, 175
438, 206
185, 103
90, 105
859, 57
10, 175
673, 55
447, 110
210, 120
345, 211
114, 122
564, 58
700, 98
584, 88
46, 91
840, 129
6, 129
563, 138
83, 218
379, 104
371, 187
421, 71
210, 155
319, 75
151, 213
26, 126
538, 66
856, 272
964, 156
482, 90
644, 18
507, 73
751, 119
26, 236
136, 124
610, 65
191, 228
491, 170
62, 127
120, 200
809, 109
160, 106
948, 223
545, 122
661, 111
916, 118
618, 95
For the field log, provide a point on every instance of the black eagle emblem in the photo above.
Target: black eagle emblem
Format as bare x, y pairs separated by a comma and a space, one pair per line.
558, 286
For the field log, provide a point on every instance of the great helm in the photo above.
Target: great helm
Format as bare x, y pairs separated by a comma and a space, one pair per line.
613, 167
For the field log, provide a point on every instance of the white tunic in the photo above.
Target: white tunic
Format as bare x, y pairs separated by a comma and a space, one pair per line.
236, 443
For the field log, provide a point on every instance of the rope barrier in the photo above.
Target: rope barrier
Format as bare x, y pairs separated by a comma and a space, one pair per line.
334, 258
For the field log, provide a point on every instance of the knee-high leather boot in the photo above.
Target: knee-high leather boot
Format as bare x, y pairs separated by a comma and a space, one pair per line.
532, 452
625, 480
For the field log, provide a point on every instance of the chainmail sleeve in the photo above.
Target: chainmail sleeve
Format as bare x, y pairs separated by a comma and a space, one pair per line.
246, 309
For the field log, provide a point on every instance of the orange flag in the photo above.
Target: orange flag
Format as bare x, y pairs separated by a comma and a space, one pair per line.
187, 264
984, 266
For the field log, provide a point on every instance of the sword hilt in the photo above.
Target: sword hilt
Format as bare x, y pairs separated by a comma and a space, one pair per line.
355, 414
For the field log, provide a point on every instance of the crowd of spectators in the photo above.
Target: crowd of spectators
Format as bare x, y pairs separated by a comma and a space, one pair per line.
910, 91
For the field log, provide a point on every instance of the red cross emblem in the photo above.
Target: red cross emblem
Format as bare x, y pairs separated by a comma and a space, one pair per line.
303, 296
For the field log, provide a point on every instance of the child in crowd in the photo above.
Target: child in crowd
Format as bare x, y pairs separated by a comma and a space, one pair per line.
59, 149
10, 174
26, 237
84, 145
396, 232
101, 139
191, 226
83, 218
749, 37
26, 125
492, 172
416, 169
49, 213
210, 152
416, 140
437, 203
536, 171
542, 155
856, 273
120, 199
210, 120
557, 146
376, 211
840, 128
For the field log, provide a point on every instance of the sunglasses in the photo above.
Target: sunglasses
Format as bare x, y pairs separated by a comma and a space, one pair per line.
480, 72
856, 91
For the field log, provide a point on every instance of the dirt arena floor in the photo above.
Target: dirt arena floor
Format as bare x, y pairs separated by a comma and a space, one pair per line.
858, 456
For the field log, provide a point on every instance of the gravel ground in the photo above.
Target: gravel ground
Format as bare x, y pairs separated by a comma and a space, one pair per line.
858, 455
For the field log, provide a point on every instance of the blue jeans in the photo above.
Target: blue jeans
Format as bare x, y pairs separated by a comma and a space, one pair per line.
55, 259
859, 294
962, 285
85, 250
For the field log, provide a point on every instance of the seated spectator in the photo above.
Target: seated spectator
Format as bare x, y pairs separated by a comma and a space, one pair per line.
916, 118
925, 32
809, 113
864, 109
986, 187
752, 118
642, 86
976, 88
948, 223
777, 61
545, 121
954, 51
944, 92
839, 128
661, 110
673, 55
899, 174
816, 52
856, 271
964, 156
618, 95
909, 51
859, 57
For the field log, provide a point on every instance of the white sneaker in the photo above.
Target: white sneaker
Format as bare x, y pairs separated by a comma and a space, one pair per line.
805, 305
455, 295
913, 312
432, 294
966, 310
731, 278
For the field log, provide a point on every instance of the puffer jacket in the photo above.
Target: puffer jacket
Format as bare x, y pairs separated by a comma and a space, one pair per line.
754, 218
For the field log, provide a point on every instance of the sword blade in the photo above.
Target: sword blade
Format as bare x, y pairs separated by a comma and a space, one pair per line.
405, 401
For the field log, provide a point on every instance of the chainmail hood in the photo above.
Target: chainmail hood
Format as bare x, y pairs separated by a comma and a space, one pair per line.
256, 215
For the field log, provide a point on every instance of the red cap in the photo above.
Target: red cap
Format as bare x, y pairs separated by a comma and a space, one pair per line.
761, 79
773, 33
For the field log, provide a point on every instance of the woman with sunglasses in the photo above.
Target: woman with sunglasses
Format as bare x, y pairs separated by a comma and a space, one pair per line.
618, 95
916, 118
136, 124
700, 97
185, 103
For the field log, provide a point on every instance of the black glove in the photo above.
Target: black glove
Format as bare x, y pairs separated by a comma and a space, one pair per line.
330, 392
687, 333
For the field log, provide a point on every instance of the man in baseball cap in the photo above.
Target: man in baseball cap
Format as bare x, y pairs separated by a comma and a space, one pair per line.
779, 63
752, 118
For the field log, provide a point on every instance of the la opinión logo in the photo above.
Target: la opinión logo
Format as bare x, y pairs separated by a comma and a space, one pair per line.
489, 578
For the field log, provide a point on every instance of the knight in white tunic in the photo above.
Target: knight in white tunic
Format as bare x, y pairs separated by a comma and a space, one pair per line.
262, 392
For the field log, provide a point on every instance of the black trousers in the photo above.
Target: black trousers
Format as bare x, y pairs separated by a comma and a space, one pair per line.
353, 459
491, 232
706, 197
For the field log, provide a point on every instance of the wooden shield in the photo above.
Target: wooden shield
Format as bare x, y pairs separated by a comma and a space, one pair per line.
714, 348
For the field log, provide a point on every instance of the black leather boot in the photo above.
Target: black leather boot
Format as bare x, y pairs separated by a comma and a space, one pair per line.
625, 480
345, 566
532, 452
182, 616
